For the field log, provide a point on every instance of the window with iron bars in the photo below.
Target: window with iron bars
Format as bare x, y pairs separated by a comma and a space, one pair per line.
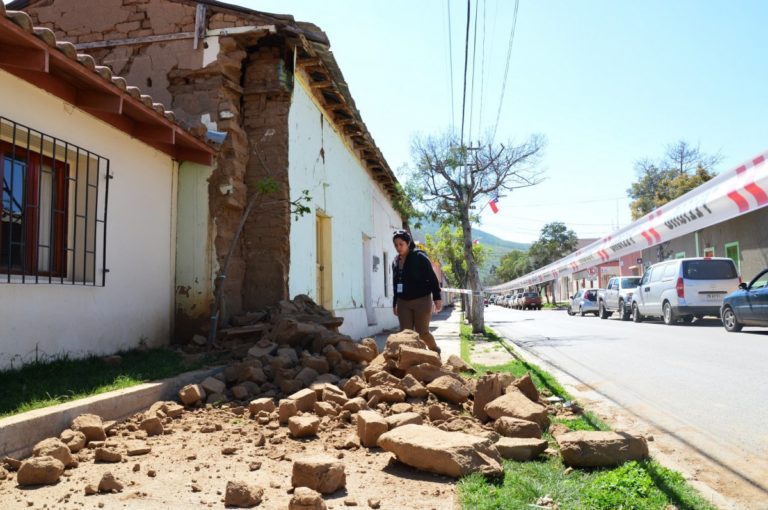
53, 215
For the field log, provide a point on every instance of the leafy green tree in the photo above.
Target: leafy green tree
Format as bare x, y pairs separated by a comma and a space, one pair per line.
447, 246
555, 242
682, 169
512, 265
447, 181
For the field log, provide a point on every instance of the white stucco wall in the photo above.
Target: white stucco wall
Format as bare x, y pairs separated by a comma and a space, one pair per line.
137, 302
341, 188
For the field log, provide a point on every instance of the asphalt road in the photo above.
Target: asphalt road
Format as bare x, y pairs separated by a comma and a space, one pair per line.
706, 387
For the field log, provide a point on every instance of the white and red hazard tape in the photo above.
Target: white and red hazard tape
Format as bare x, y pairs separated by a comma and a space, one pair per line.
729, 195
456, 291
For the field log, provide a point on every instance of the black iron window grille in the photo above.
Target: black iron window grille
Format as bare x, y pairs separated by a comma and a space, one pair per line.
53, 215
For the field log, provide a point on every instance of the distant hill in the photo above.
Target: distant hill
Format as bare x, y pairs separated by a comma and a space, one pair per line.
498, 247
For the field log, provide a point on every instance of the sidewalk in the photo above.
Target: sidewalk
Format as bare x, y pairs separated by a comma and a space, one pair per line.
445, 329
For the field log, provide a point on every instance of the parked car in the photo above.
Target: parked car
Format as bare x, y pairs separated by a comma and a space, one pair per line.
585, 301
682, 289
518, 301
617, 297
530, 300
747, 306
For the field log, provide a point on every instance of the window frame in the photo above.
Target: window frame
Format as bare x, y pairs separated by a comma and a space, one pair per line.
34, 164
82, 228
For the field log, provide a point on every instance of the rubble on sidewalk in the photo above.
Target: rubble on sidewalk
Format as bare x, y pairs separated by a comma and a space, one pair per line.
298, 381
600, 449
448, 453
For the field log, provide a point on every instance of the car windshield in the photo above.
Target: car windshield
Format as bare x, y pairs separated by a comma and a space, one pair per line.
531, 294
627, 283
709, 270
760, 281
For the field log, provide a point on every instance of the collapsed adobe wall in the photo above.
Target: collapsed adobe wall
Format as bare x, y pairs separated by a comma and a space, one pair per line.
244, 92
268, 77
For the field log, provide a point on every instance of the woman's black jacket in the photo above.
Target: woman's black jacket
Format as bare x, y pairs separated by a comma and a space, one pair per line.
417, 277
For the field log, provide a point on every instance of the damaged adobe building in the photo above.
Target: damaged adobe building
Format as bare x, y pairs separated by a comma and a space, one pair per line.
269, 89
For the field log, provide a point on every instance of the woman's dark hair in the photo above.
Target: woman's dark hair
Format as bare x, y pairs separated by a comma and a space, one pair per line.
405, 236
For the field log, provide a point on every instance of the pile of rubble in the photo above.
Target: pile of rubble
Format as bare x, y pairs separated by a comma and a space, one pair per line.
302, 380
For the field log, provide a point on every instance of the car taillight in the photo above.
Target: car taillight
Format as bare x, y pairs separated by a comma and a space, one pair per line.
740, 281
680, 287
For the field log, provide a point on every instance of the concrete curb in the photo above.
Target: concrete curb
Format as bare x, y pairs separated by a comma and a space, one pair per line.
19, 433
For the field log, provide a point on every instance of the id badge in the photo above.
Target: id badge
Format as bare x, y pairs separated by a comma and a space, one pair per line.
399, 288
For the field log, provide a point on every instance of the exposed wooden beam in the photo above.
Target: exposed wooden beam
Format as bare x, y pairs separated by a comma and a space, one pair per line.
100, 101
120, 121
135, 40
23, 57
352, 129
322, 84
154, 133
199, 25
194, 156
310, 61
47, 82
342, 120
331, 99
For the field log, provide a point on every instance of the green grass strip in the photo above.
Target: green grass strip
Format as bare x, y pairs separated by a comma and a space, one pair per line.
38, 385
644, 485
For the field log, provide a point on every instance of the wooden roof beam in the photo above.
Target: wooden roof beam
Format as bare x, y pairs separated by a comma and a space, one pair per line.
154, 133
99, 101
24, 57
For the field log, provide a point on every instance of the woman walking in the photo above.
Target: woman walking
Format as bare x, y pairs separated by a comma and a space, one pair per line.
415, 288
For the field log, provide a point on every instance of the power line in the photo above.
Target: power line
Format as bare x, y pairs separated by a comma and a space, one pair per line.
450, 63
482, 72
466, 61
506, 68
474, 69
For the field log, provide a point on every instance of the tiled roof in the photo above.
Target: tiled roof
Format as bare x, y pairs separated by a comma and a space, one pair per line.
35, 55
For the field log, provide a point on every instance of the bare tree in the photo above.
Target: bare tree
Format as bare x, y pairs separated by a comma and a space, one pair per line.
684, 158
448, 180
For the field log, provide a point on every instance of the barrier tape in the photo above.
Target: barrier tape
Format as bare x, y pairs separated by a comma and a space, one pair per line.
459, 291
728, 195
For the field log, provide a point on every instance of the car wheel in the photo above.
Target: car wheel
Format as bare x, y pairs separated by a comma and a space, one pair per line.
668, 315
603, 314
570, 311
636, 317
581, 312
732, 325
623, 312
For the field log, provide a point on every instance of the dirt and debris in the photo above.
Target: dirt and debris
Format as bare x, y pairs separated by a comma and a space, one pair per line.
300, 406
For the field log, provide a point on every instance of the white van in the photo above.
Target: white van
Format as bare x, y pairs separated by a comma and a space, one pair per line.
682, 289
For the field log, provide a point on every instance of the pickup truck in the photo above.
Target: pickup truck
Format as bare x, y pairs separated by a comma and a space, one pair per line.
617, 297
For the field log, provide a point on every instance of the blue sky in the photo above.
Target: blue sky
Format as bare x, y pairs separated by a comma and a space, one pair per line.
607, 82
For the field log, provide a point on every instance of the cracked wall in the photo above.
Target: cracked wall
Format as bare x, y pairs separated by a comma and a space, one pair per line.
243, 92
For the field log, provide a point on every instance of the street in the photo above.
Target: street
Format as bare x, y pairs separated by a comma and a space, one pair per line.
700, 385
